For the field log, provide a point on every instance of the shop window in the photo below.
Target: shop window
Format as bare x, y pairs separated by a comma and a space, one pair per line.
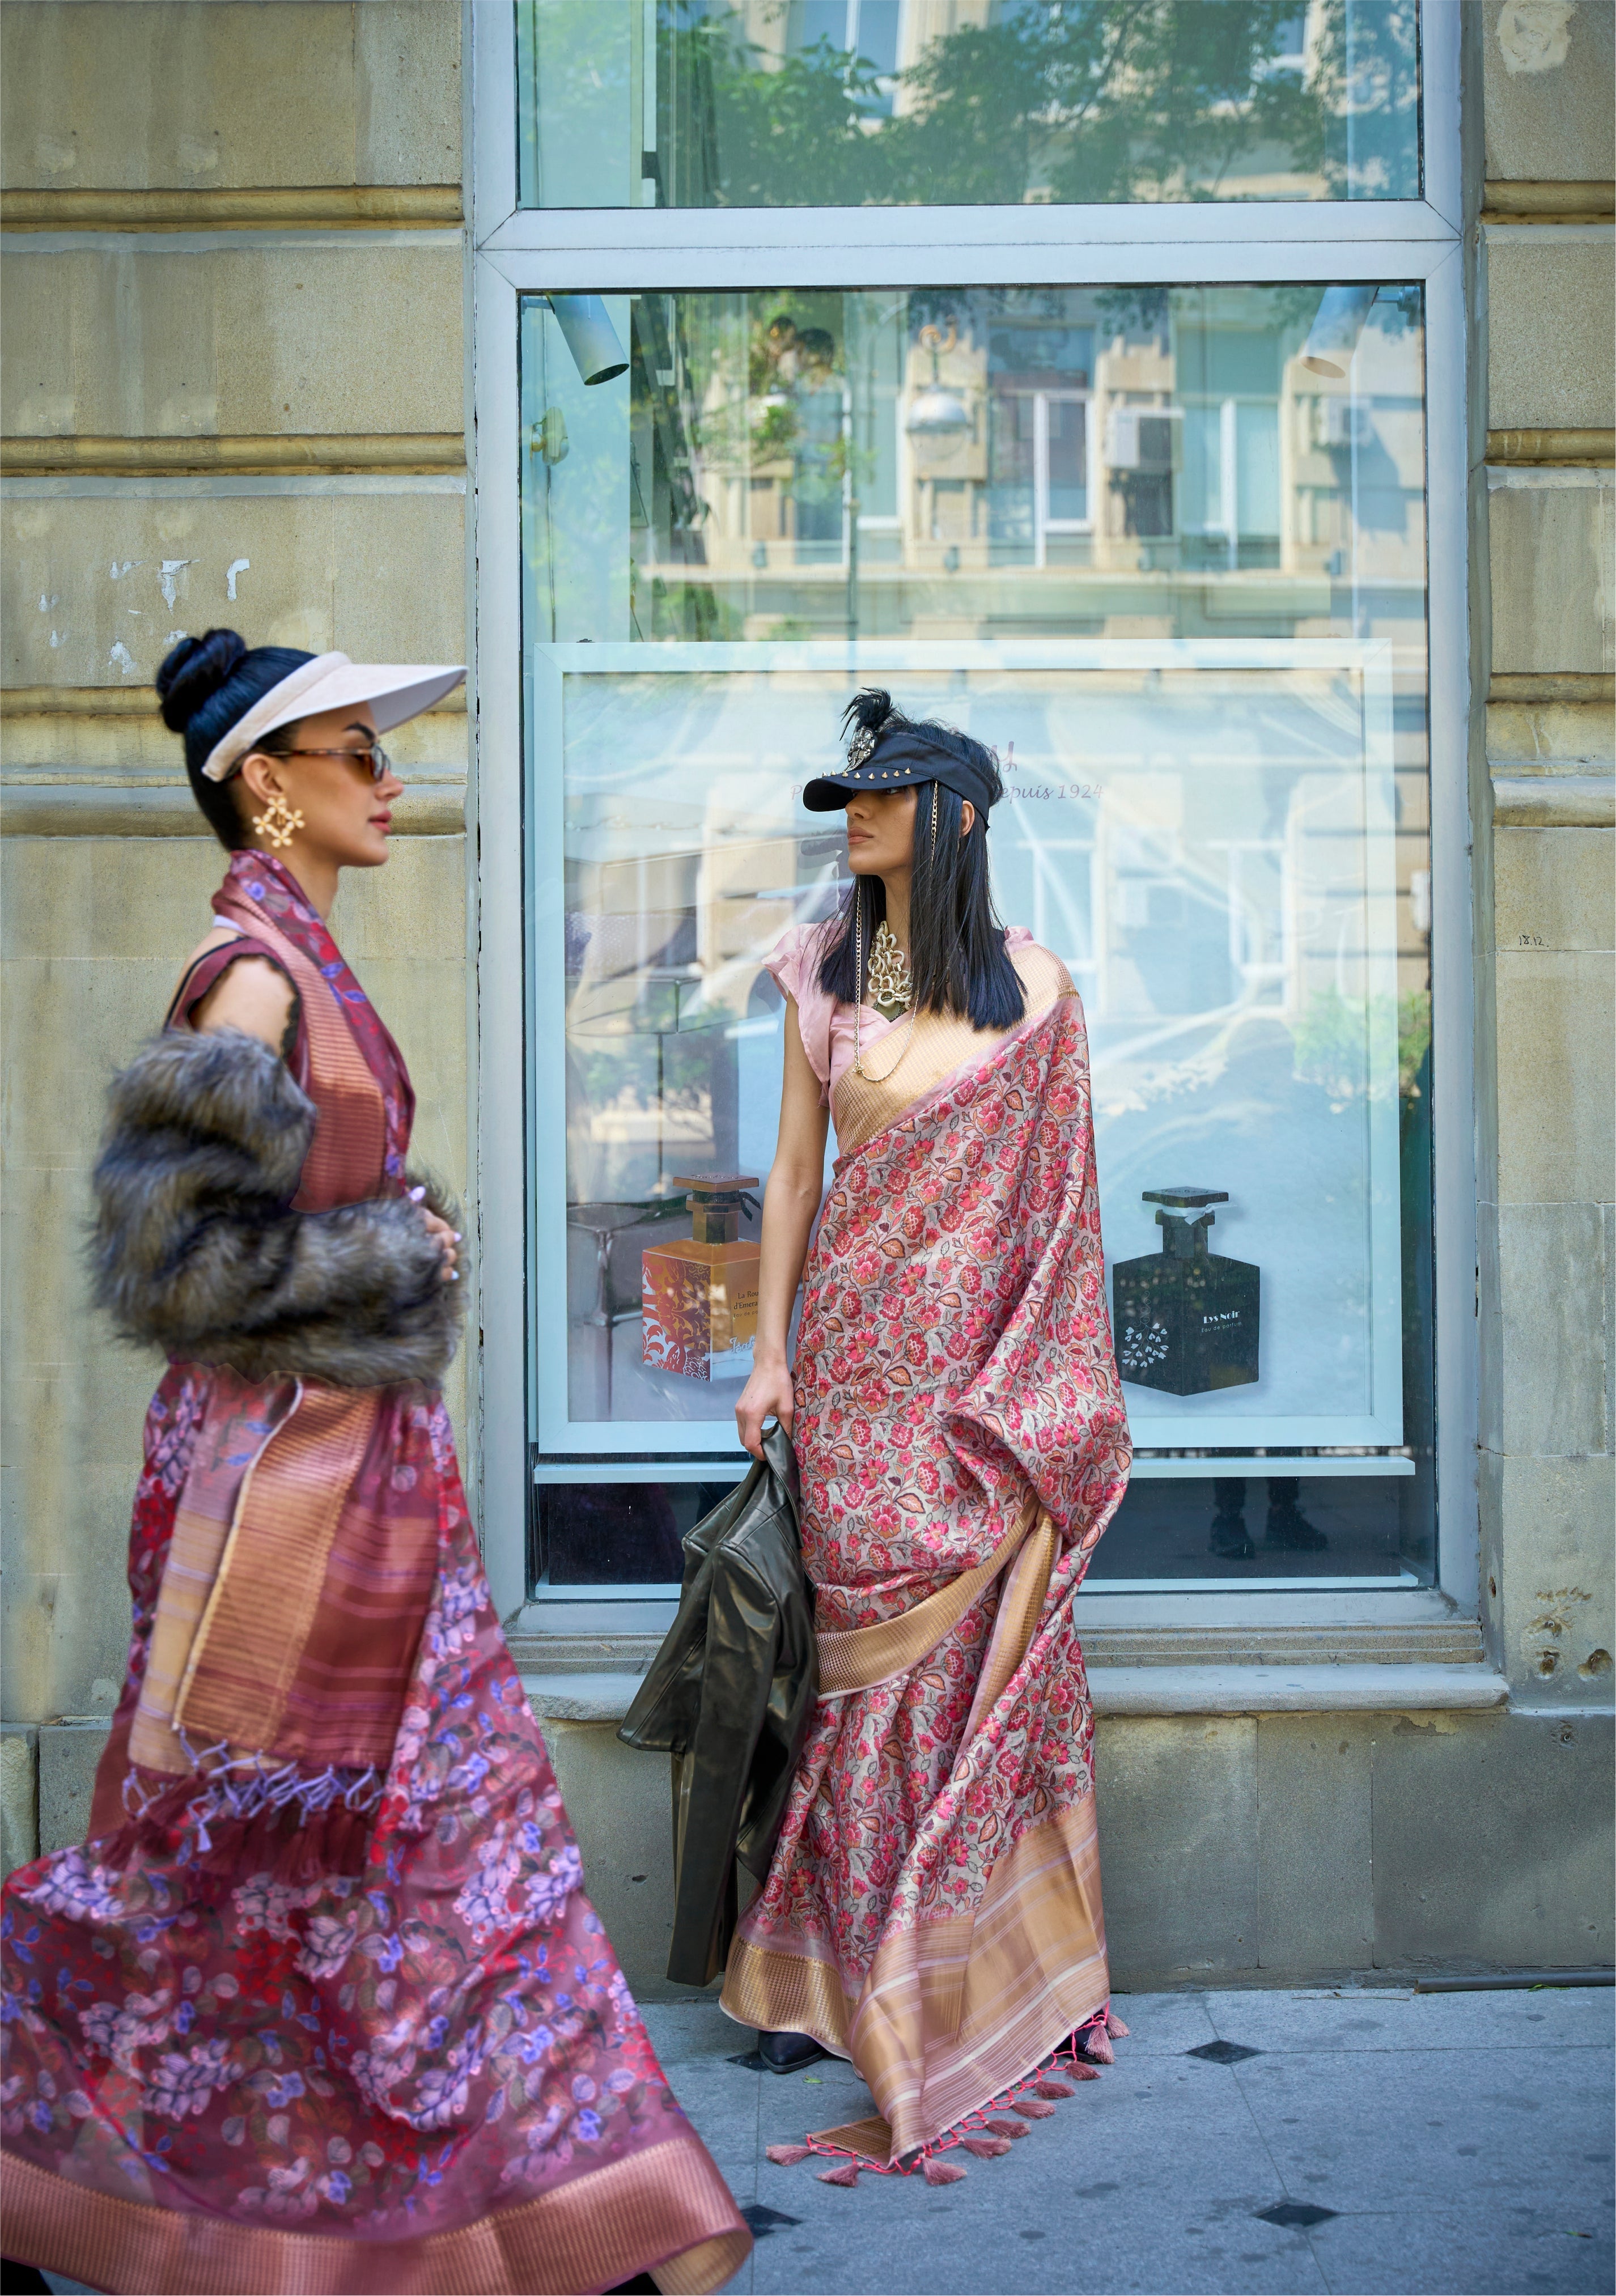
739, 103
1168, 559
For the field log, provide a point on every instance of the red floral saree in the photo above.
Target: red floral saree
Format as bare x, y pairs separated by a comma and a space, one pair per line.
933, 1910
322, 2003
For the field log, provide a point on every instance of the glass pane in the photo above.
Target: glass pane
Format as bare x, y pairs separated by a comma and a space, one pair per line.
748, 103
1162, 548
621, 1534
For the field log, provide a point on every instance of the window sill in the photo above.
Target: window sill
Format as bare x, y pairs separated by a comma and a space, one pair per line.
1124, 1631
605, 1695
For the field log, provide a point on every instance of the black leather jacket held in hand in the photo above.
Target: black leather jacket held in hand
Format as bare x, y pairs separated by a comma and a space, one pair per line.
730, 1696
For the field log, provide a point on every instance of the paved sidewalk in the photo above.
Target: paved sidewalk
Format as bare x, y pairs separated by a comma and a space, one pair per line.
1453, 2142
1457, 2141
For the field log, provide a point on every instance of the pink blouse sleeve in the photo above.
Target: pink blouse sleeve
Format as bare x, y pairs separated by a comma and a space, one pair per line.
793, 964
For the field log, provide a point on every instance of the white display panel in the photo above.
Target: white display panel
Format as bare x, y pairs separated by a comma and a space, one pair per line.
1202, 830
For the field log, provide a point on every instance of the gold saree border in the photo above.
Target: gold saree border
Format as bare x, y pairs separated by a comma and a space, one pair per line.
786, 1993
954, 2012
248, 1647
856, 1658
666, 2211
352, 1127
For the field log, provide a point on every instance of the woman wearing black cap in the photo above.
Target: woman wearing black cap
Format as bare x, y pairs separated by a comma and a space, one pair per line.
932, 1911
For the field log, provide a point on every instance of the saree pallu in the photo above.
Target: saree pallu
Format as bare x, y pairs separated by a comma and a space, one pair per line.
322, 2003
933, 1912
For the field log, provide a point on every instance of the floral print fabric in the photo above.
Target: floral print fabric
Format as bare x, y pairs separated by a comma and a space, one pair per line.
954, 1355
380, 2055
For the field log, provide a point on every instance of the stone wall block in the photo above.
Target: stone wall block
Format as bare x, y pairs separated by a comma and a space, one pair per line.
619, 1803
68, 1753
1557, 1014
1554, 888
348, 333
334, 563
1179, 1844
1548, 103
227, 96
18, 1795
1559, 1592
1492, 1370
1316, 1901
1492, 1840
1543, 733
1553, 1281
407, 84
1551, 332
1552, 535
1494, 1576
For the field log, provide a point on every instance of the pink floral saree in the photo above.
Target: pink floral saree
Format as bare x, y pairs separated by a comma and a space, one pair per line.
322, 2003
933, 1910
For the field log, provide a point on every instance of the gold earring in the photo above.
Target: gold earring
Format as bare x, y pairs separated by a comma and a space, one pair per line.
277, 821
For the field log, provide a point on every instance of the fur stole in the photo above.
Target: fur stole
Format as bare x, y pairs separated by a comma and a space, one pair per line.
197, 1251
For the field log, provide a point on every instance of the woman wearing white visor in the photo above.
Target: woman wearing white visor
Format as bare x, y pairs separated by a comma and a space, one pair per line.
320, 2004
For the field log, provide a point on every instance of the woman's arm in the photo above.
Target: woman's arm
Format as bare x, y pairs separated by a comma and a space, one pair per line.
791, 1200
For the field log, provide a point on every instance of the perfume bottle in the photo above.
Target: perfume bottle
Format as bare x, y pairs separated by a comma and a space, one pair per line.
700, 1295
1185, 1320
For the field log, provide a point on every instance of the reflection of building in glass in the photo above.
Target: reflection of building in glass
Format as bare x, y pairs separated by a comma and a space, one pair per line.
702, 104
1102, 462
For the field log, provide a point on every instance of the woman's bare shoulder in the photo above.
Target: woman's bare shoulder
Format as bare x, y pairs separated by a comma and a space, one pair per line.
253, 994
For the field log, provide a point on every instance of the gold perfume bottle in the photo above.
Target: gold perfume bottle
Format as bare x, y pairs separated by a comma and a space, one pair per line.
698, 1295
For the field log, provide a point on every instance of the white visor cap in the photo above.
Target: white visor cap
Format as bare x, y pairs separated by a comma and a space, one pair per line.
332, 682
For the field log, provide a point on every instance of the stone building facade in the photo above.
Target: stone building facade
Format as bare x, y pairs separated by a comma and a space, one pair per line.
248, 251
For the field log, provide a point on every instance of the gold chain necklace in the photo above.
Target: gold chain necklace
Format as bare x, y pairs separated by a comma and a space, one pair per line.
889, 984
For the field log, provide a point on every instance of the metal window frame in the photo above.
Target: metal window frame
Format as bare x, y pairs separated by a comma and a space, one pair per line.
605, 250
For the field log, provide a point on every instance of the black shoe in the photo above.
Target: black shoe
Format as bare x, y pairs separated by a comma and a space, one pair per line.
1230, 1540
788, 2053
1288, 1528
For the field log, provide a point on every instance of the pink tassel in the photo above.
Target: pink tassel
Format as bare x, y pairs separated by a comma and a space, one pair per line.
1033, 2110
846, 2172
1051, 2088
1096, 2046
786, 2156
1010, 2129
1115, 2027
941, 2172
1081, 2072
986, 2148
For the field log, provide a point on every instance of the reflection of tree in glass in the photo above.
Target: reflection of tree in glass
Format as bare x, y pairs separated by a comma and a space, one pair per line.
1091, 101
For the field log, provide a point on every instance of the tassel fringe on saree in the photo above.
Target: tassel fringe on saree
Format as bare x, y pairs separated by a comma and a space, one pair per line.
933, 1912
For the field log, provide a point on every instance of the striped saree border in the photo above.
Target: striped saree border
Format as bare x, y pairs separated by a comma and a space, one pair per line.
779, 1992
247, 1648
957, 2010
858, 1658
666, 2211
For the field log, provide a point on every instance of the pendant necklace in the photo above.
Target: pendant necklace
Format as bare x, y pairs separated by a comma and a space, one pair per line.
889, 986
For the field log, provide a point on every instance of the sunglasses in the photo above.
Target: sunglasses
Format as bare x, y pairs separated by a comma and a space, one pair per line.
373, 755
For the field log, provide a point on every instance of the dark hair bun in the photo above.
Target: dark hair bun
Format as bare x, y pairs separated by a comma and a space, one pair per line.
194, 673
870, 708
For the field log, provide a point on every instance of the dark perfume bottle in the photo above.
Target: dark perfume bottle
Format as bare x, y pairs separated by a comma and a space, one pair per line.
1185, 1320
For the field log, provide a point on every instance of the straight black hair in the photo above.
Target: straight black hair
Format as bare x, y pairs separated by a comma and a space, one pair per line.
205, 685
958, 963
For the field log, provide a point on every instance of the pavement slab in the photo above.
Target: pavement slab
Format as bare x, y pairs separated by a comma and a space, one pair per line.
1448, 2142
